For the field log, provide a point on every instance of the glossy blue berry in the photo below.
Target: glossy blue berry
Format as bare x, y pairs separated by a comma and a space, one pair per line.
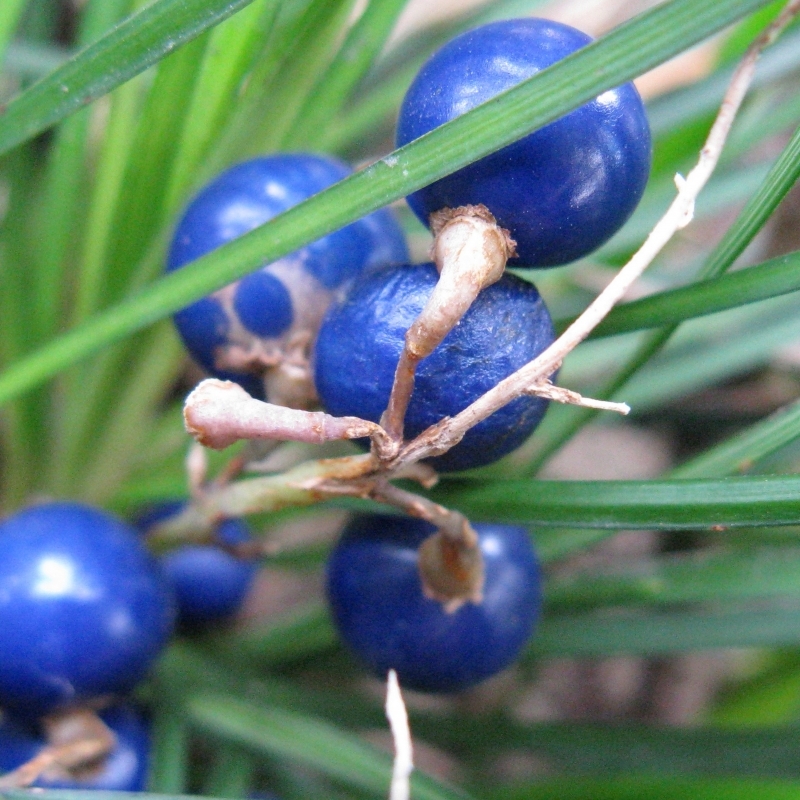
384, 618
84, 609
361, 339
210, 583
561, 191
277, 308
124, 769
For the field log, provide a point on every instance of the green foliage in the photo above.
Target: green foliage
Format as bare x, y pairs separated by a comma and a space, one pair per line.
148, 102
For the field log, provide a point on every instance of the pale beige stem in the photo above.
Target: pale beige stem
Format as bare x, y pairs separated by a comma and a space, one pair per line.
470, 251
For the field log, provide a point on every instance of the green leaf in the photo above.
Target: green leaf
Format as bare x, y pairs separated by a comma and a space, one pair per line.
770, 279
170, 751
630, 49
309, 741
232, 49
697, 577
741, 451
595, 634
772, 697
363, 44
627, 750
127, 50
662, 505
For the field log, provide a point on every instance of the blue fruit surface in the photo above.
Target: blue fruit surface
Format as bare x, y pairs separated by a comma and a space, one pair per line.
84, 608
209, 582
124, 769
261, 311
378, 606
561, 191
361, 339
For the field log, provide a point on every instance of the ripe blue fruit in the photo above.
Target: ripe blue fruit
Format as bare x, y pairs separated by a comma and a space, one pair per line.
379, 608
361, 339
210, 583
84, 609
240, 330
561, 191
124, 769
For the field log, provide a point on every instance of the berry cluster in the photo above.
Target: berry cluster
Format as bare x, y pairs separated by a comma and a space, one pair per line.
406, 346
346, 323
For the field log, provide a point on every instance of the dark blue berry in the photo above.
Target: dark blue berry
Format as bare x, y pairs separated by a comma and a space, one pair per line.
210, 583
361, 338
124, 769
84, 609
382, 615
562, 191
261, 313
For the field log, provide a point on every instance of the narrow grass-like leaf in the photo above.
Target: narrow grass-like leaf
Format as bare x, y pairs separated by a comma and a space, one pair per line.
675, 109
309, 741
645, 41
120, 432
686, 368
290, 26
363, 44
741, 451
310, 57
141, 208
232, 49
136, 201
628, 749
129, 49
782, 176
108, 180
772, 278
170, 752
64, 188
702, 577
24, 437
771, 697
664, 505
659, 633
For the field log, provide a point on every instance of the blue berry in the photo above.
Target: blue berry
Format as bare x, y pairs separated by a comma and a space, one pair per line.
382, 615
124, 769
240, 331
84, 609
561, 191
210, 583
361, 339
